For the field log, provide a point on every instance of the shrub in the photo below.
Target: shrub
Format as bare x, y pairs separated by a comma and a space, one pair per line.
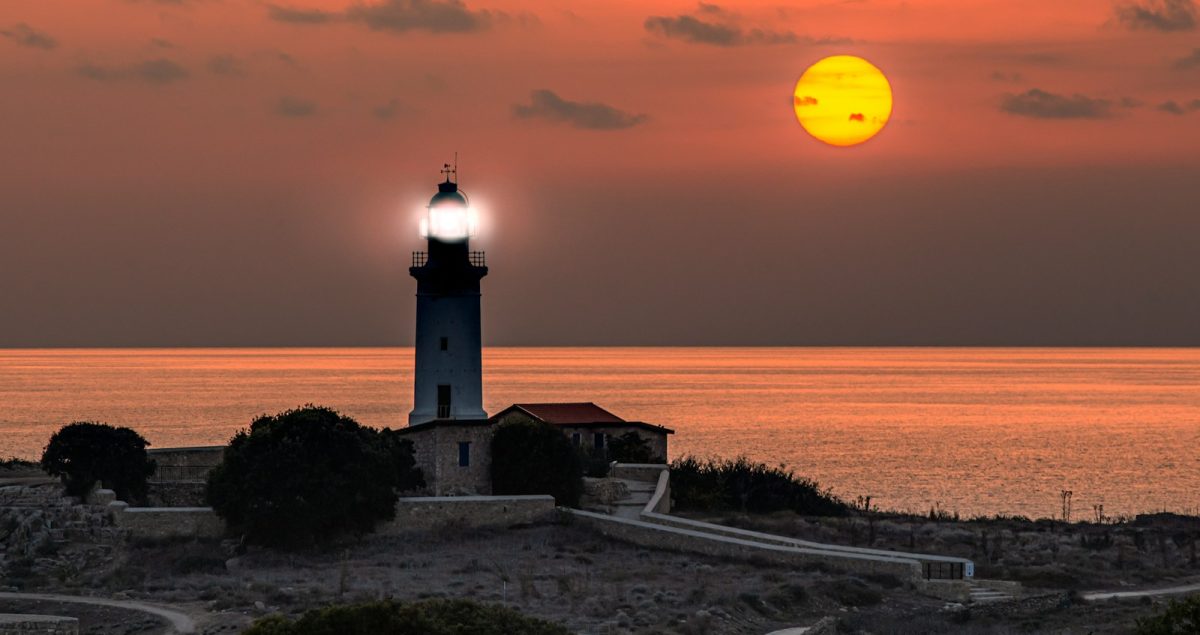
306, 476
84, 453
740, 485
632, 447
1178, 618
534, 457
428, 617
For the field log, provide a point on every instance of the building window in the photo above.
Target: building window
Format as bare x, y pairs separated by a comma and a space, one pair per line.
464, 453
598, 441
445, 344
576, 438
443, 402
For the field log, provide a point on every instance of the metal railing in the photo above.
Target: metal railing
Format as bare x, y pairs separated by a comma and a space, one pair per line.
421, 258
443, 411
943, 570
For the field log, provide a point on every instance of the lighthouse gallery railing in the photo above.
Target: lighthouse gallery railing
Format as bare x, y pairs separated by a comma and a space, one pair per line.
420, 258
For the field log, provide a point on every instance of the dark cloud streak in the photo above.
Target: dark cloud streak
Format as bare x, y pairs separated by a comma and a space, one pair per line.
295, 107
1158, 15
545, 104
1039, 104
159, 72
690, 29
397, 16
24, 35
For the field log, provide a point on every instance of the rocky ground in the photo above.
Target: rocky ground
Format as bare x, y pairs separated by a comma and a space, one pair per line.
565, 573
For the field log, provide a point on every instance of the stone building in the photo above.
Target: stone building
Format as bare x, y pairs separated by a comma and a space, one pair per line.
455, 455
589, 426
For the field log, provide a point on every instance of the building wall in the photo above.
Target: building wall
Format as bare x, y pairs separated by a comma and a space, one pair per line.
457, 318
657, 440
436, 452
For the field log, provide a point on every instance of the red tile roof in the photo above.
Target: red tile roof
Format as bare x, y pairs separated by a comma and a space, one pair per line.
569, 413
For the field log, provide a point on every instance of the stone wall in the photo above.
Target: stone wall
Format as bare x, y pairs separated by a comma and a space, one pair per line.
168, 522
17, 624
185, 464
435, 448
412, 514
648, 472
175, 494
425, 513
688, 541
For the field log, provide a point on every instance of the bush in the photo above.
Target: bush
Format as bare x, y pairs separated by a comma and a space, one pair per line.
740, 485
534, 457
84, 453
632, 447
1178, 618
306, 476
428, 617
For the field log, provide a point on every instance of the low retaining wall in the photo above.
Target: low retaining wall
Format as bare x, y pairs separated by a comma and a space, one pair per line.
15, 624
672, 538
168, 522
431, 512
637, 471
412, 514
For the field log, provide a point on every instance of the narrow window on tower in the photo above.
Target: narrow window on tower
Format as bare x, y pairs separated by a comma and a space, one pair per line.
598, 441
443, 402
464, 453
577, 439
445, 344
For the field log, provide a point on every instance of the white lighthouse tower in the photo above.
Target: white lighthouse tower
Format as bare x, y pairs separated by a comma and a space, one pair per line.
449, 377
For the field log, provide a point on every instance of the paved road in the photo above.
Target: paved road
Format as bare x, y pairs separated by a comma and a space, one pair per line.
1109, 595
178, 621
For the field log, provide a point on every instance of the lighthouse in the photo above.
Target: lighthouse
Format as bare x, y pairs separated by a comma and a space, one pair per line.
448, 382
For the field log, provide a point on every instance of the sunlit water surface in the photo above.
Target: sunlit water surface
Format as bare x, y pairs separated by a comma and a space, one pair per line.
969, 430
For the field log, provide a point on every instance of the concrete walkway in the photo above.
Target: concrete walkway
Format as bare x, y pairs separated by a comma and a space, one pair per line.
1093, 596
179, 622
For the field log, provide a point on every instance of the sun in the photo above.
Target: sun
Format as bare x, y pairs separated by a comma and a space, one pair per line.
843, 100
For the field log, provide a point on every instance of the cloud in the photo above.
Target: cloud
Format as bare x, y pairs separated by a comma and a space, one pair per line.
697, 31
159, 71
858, 116
1001, 76
1039, 104
545, 104
24, 35
1187, 62
300, 16
806, 100
295, 107
226, 65
1173, 107
1158, 15
399, 16
390, 110
444, 16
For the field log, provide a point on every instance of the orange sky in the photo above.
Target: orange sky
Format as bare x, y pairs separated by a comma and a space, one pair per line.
245, 112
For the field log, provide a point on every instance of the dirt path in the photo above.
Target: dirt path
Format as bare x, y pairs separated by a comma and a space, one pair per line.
1093, 596
180, 623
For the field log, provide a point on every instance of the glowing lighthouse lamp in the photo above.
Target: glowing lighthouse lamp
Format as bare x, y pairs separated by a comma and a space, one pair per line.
448, 382
450, 218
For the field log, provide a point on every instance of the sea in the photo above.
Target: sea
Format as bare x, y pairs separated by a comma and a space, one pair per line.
972, 431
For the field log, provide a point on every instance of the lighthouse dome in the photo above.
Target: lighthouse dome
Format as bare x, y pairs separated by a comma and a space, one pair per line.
448, 195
